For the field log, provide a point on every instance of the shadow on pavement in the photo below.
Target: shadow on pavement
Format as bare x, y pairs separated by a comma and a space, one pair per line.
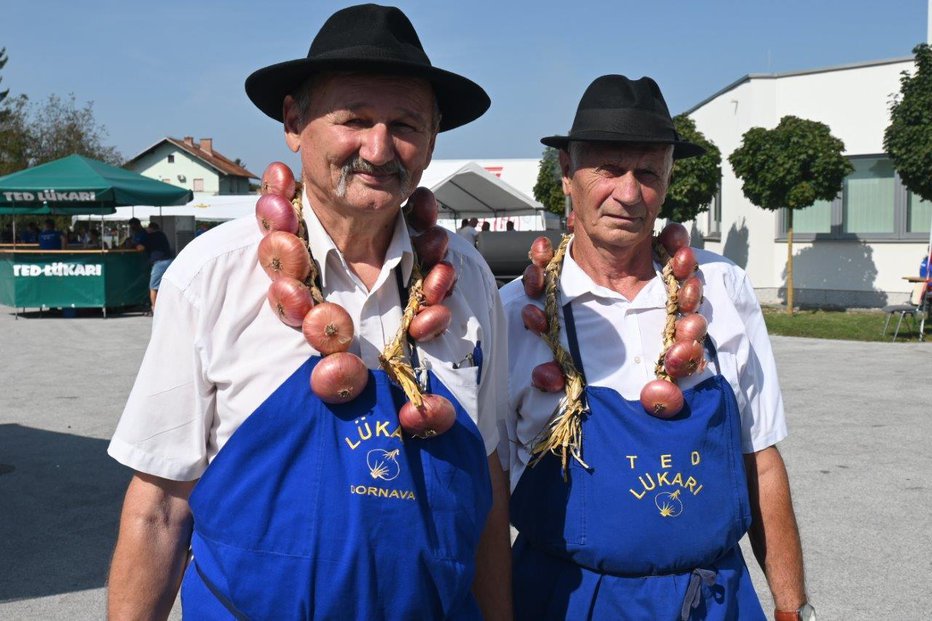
60, 498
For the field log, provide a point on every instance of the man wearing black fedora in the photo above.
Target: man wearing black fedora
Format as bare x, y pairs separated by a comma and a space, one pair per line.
640, 464
258, 492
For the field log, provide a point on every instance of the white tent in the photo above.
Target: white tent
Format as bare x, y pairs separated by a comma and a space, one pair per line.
203, 207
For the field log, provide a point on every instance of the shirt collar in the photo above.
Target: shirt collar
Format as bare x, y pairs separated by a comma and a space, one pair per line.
399, 248
574, 283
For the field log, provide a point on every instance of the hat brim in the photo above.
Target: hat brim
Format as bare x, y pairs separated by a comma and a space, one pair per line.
681, 148
460, 99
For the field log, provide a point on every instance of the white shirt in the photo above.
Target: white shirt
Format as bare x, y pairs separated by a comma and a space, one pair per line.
217, 349
620, 341
469, 232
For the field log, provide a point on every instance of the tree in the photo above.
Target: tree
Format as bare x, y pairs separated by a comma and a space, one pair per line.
13, 139
59, 128
695, 179
548, 190
908, 138
3, 94
790, 166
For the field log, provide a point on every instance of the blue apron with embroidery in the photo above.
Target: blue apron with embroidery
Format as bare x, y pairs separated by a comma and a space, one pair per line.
651, 529
317, 511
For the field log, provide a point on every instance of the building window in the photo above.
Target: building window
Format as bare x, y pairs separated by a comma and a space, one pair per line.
918, 214
171, 158
868, 197
873, 206
198, 185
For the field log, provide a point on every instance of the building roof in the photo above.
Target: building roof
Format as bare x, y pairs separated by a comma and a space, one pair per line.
788, 74
203, 151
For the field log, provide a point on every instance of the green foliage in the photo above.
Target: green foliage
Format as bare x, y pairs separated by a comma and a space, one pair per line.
548, 190
695, 179
792, 165
908, 138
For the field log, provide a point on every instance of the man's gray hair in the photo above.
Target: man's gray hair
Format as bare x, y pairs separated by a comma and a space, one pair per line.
305, 93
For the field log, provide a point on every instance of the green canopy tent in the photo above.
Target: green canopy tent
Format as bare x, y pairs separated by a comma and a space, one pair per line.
76, 185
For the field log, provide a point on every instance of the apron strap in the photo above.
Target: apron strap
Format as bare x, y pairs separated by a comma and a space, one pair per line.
694, 590
710, 348
571, 337
223, 599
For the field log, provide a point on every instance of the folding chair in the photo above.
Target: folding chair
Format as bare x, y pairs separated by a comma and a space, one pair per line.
912, 309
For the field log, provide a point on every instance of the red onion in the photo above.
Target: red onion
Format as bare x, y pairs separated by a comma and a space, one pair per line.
533, 280
435, 416
431, 246
438, 284
278, 179
339, 377
673, 237
290, 299
430, 323
691, 327
661, 398
684, 358
548, 377
275, 213
684, 263
690, 295
423, 209
284, 254
541, 251
534, 318
328, 328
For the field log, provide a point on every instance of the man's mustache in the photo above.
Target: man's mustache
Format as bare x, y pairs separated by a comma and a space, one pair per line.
360, 165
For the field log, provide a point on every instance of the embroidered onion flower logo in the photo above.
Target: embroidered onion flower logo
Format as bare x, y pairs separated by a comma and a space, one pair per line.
383, 464
669, 503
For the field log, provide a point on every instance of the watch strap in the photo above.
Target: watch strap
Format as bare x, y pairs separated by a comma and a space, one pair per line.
786, 615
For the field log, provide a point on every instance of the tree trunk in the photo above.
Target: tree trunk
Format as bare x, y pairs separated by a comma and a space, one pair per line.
789, 262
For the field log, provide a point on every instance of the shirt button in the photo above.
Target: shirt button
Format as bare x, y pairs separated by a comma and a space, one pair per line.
637, 359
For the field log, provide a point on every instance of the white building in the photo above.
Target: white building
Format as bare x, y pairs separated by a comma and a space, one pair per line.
195, 166
850, 252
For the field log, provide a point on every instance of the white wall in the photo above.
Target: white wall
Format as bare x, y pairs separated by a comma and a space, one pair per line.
155, 165
854, 103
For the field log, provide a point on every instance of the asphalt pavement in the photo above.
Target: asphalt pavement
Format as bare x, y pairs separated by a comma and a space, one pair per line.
859, 457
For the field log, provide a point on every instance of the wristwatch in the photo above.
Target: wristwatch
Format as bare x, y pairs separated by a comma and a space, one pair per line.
805, 613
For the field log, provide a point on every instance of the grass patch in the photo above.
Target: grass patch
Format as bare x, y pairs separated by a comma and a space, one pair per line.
859, 325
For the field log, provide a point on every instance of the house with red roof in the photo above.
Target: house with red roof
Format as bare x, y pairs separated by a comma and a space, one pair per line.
197, 166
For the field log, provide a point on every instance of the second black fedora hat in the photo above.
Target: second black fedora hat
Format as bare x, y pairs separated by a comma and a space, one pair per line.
617, 109
369, 38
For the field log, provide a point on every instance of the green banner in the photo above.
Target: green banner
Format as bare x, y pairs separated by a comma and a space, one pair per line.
34, 279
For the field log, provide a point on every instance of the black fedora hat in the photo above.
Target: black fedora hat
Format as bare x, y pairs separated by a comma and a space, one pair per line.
369, 38
616, 109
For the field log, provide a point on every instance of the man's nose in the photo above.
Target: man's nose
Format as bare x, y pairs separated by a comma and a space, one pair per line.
627, 189
377, 147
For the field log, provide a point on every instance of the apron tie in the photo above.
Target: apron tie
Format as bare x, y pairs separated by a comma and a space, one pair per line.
694, 590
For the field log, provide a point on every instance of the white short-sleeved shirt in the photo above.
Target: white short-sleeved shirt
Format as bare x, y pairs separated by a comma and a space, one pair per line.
620, 341
217, 349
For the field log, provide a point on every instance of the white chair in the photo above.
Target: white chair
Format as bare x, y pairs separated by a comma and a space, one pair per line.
912, 309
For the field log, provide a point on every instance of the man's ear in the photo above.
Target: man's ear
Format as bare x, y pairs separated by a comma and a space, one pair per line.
565, 172
292, 118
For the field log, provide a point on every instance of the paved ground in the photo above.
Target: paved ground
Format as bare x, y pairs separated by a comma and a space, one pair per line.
859, 456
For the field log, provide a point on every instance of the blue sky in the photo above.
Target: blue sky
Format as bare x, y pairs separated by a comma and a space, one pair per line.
173, 68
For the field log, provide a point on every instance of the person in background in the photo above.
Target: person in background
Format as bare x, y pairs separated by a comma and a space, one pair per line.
468, 230
160, 257
30, 235
50, 238
137, 235
510, 225
486, 226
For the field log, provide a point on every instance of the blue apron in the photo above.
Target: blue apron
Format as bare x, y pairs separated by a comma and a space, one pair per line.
317, 511
650, 531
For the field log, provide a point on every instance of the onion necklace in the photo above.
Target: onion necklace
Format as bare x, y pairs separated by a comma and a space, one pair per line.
682, 353
295, 297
